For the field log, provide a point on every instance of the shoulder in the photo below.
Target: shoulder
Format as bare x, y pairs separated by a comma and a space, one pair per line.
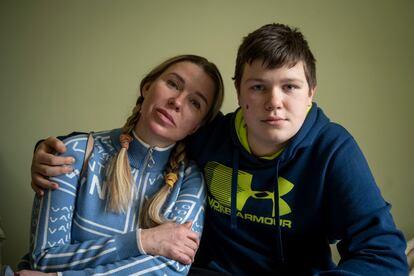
103, 141
192, 173
336, 143
209, 135
75, 144
335, 131
191, 169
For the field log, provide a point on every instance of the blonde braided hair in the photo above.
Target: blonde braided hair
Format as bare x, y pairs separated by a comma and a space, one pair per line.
150, 215
119, 180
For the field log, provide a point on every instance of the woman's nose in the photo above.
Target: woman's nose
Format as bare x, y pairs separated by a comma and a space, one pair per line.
175, 103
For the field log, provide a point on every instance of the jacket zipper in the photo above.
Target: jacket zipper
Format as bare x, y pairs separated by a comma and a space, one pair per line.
148, 162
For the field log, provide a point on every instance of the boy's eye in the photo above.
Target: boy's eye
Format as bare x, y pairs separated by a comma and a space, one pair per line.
290, 87
258, 87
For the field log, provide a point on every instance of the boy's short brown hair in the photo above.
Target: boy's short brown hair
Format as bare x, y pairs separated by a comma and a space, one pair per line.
277, 45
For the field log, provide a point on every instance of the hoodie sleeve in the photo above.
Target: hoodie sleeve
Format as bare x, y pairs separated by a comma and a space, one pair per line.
359, 217
52, 245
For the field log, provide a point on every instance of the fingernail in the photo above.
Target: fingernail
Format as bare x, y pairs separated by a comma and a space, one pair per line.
55, 186
72, 160
68, 168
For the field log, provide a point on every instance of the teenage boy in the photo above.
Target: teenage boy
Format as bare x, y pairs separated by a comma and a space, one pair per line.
283, 181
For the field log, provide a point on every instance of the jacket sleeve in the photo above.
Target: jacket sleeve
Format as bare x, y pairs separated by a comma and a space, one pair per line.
360, 219
185, 203
144, 264
52, 246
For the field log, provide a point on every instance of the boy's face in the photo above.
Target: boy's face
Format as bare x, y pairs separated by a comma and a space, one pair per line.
274, 103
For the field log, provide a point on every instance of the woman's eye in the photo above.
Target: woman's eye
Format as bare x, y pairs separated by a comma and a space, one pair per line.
173, 84
196, 104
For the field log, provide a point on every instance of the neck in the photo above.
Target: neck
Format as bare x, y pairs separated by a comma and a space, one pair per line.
147, 141
260, 149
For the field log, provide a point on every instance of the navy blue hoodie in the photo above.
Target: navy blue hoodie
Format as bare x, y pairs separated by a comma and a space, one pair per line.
279, 216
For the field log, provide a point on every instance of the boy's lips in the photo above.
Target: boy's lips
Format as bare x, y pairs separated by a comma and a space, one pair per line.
274, 120
166, 115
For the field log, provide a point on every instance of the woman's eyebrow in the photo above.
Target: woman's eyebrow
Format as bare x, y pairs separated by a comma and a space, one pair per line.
201, 95
178, 77
198, 93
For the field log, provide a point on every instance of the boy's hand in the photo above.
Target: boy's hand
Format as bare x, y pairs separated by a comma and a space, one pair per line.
45, 163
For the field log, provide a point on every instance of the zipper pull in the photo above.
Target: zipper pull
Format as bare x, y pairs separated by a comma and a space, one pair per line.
151, 161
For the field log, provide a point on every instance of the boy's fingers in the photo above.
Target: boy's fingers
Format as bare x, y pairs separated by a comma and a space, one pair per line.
39, 182
46, 170
54, 144
52, 160
36, 189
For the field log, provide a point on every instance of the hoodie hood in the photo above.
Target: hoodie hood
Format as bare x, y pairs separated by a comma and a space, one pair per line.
313, 124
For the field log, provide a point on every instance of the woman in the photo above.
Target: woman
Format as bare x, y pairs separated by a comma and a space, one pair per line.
138, 207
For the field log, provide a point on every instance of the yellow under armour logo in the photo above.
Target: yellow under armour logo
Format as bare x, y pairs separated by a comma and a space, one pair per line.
218, 179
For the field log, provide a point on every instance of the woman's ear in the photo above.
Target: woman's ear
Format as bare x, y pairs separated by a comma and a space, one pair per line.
145, 89
194, 129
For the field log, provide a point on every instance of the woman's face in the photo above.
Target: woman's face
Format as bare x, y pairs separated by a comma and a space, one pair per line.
175, 104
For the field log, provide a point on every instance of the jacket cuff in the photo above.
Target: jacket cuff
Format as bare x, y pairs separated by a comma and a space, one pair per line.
126, 245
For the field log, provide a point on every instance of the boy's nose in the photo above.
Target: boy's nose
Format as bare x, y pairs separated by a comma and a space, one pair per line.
274, 100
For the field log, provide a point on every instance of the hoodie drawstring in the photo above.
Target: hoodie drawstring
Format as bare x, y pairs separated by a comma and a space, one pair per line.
234, 178
233, 203
279, 245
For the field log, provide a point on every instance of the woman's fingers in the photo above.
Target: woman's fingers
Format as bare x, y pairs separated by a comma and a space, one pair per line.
174, 241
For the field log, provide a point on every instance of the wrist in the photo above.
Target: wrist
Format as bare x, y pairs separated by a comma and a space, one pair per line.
140, 246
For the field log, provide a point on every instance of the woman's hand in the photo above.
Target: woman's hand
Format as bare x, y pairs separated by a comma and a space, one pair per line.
45, 163
172, 240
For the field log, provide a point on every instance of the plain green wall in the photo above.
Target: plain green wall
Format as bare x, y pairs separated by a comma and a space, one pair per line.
76, 65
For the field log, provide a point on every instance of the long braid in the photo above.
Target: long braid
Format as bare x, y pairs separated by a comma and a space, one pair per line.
119, 184
150, 215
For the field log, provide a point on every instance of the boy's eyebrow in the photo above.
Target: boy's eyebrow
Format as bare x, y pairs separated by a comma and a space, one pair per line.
198, 93
291, 80
254, 79
282, 79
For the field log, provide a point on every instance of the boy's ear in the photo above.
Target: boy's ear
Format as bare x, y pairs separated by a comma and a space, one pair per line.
238, 93
312, 92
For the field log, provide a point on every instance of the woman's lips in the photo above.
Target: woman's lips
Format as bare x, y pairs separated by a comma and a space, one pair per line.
165, 116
